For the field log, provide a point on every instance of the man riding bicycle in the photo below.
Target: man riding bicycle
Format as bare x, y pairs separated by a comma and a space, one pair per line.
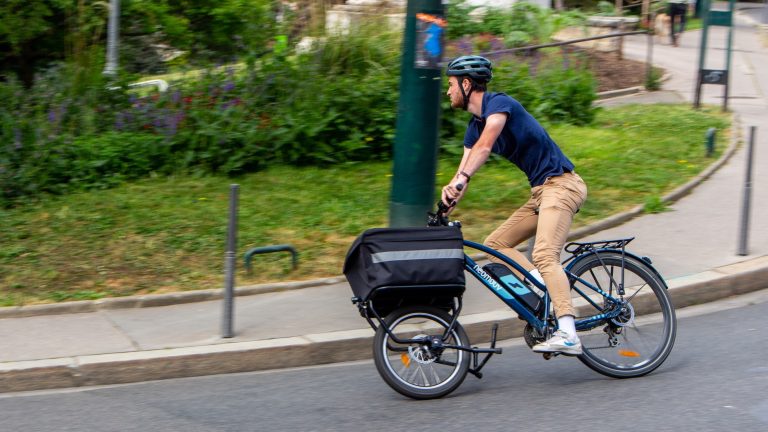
501, 125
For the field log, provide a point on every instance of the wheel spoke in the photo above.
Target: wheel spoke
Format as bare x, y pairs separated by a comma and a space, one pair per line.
638, 290
424, 376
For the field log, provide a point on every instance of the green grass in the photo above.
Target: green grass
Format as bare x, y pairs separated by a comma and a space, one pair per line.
168, 234
693, 23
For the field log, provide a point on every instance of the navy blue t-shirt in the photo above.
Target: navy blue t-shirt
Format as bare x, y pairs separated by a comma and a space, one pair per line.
523, 141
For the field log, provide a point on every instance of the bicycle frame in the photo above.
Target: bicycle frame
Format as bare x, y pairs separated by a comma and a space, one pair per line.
537, 322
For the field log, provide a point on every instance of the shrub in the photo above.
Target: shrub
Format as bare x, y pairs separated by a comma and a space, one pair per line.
334, 104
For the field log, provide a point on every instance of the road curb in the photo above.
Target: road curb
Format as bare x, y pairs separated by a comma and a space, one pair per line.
314, 349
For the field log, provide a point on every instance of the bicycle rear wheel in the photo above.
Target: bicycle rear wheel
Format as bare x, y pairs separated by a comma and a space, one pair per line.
415, 370
628, 345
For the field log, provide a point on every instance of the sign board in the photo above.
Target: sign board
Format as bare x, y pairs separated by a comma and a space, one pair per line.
720, 18
430, 32
714, 76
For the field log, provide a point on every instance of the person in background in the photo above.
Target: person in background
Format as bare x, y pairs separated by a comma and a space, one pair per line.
677, 9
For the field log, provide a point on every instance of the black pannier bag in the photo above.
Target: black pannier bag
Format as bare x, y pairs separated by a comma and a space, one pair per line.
393, 267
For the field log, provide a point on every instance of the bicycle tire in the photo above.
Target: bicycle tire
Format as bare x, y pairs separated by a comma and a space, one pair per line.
630, 357
412, 322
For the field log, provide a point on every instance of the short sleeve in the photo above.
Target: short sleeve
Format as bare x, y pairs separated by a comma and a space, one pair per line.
499, 103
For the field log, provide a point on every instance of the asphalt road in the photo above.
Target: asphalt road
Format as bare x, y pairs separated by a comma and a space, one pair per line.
716, 379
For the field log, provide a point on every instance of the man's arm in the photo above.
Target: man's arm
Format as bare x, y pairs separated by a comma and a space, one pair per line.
475, 157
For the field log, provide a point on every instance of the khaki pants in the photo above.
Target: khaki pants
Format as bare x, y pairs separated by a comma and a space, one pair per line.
557, 200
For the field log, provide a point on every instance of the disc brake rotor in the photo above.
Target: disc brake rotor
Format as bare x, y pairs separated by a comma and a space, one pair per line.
420, 353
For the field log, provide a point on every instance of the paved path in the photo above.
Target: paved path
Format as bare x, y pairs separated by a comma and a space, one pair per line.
693, 245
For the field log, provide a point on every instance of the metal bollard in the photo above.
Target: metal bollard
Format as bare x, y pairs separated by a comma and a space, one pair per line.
744, 229
710, 143
229, 264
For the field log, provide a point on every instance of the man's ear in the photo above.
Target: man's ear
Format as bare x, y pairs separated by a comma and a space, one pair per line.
469, 83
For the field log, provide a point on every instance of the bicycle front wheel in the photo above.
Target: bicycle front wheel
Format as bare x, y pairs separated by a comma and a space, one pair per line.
416, 370
629, 345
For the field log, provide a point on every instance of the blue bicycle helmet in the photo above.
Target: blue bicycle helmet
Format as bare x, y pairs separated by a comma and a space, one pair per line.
476, 67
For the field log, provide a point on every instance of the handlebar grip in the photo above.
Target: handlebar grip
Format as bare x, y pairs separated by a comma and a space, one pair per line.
460, 187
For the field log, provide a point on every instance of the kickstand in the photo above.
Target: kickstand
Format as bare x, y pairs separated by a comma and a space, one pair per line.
477, 364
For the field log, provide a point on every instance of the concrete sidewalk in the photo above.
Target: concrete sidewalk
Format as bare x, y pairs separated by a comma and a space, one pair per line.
693, 246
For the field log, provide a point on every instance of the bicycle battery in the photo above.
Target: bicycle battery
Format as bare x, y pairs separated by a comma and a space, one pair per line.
519, 290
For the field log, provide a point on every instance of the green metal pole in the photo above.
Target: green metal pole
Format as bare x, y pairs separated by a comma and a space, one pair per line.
702, 54
418, 116
732, 8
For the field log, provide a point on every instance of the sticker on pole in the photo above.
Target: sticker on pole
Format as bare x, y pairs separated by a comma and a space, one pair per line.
430, 30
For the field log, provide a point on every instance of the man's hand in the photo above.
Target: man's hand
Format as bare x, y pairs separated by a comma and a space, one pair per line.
453, 192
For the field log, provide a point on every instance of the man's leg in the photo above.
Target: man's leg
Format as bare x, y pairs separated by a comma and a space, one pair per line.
516, 229
554, 225
561, 198
671, 11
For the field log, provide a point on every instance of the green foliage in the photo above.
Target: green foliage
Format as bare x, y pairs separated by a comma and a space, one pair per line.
35, 34
654, 204
337, 103
460, 22
521, 24
653, 80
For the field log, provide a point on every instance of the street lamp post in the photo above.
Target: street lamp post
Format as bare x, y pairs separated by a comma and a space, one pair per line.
113, 29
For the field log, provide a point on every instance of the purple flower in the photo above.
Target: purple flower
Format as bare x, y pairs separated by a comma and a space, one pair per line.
176, 97
173, 123
120, 121
51, 116
158, 121
228, 86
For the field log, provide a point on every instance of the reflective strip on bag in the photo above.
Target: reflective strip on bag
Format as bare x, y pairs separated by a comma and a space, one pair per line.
418, 255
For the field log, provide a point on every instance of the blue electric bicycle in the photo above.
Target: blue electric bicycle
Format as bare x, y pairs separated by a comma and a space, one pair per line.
625, 318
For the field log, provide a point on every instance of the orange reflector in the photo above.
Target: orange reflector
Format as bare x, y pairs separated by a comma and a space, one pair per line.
628, 353
405, 359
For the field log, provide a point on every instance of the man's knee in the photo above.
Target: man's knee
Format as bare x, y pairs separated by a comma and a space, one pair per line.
493, 243
545, 260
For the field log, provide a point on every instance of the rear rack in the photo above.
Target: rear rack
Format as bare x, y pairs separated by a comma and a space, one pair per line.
578, 248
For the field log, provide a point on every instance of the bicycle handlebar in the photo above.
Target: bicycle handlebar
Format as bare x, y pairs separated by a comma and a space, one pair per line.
439, 218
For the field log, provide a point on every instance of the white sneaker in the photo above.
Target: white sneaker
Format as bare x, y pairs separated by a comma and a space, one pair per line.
559, 343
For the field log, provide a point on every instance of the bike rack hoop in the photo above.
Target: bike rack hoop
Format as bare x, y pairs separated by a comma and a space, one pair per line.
269, 249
